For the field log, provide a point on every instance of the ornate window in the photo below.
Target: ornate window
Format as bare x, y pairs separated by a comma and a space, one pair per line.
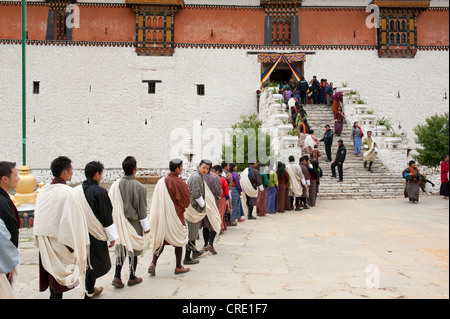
281, 26
56, 21
155, 26
397, 35
394, 39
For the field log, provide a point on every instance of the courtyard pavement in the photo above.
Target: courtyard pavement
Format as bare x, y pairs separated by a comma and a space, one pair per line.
341, 249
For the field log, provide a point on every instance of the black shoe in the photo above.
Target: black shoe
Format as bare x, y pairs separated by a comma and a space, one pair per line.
305, 207
198, 253
251, 217
370, 169
334, 176
190, 262
340, 181
365, 164
298, 209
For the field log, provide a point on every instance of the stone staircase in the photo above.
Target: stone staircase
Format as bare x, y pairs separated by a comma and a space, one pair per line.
358, 182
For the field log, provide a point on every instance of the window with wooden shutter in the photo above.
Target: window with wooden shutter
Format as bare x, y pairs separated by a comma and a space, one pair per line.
155, 26
397, 35
281, 21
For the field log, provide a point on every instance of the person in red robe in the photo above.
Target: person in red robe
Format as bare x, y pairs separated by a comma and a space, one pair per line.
180, 195
283, 180
224, 201
444, 178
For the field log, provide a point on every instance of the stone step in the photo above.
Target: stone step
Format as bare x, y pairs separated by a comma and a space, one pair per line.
358, 182
361, 189
359, 178
371, 196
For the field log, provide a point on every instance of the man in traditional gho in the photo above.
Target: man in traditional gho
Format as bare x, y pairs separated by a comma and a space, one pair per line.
307, 184
9, 262
413, 178
61, 233
297, 180
214, 184
9, 178
97, 208
370, 149
9, 230
129, 200
196, 210
251, 183
170, 200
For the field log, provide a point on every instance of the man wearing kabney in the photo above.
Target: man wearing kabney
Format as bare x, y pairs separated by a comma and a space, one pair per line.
129, 200
196, 210
97, 208
170, 200
61, 233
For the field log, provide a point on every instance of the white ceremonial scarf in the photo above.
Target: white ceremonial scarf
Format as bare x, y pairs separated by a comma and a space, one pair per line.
58, 224
309, 142
247, 185
212, 211
95, 228
127, 235
248, 190
165, 224
193, 216
296, 187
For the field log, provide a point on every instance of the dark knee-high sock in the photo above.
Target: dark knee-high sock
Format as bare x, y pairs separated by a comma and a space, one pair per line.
187, 255
178, 256
118, 271
250, 211
133, 265
206, 233
212, 236
55, 295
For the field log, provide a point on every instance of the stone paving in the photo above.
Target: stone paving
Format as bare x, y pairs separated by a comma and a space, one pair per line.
339, 249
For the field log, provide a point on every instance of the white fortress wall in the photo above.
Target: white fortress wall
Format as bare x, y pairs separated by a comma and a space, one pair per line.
104, 85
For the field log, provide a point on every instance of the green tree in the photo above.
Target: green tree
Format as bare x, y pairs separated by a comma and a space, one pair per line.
241, 142
434, 137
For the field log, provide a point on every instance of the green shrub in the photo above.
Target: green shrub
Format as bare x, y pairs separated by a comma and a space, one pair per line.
434, 137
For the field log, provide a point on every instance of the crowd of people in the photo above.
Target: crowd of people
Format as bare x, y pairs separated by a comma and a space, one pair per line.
75, 227
297, 95
312, 92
